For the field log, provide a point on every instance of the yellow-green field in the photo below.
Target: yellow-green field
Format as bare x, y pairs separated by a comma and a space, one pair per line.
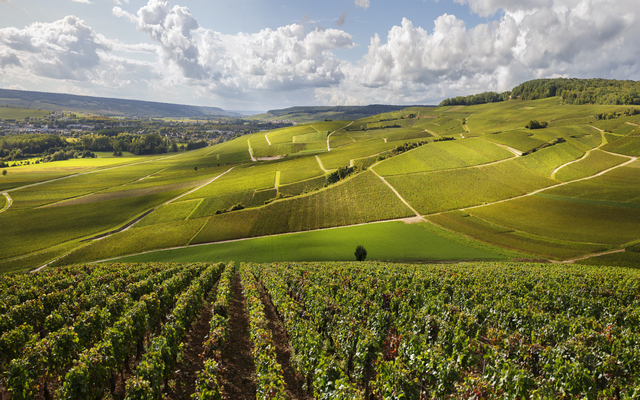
559, 193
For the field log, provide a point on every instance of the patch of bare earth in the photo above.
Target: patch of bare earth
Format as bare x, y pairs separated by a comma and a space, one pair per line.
294, 381
183, 381
238, 369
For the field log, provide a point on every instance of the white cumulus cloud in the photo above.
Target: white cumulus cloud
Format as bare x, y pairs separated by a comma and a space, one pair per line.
532, 39
286, 58
64, 49
363, 3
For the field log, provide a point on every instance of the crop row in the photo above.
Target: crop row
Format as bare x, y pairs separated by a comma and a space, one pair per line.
84, 349
483, 331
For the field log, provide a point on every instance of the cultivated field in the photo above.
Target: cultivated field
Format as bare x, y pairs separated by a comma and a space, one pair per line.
320, 330
561, 193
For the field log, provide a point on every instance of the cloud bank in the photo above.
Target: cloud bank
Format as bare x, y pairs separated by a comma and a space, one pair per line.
409, 64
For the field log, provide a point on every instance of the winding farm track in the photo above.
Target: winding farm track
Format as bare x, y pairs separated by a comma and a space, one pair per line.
251, 151
9, 202
602, 143
265, 136
517, 152
326, 171
330, 133
588, 256
632, 159
397, 194
199, 187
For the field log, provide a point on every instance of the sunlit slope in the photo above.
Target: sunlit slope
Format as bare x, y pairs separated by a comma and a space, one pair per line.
568, 190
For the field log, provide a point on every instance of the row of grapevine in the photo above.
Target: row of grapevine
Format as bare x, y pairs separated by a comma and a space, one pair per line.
76, 313
157, 364
35, 311
472, 330
94, 372
314, 352
209, 383
31, 361
270, 382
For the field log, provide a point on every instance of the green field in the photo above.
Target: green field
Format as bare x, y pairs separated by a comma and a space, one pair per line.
21, 113
454, 183
453, 189
361, 199
490, 232
383, 241
443, 155
563, 219
593, 163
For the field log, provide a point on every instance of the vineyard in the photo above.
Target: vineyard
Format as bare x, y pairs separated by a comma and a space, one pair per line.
320, 330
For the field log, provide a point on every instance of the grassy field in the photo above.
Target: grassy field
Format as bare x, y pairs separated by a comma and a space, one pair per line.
361, 199
21, 113
489, 232
593, 163
383, 241
443, 155
135, 240
559, 219
546, 160
439, 179
629, 146
619, 185
452, 189
56, 225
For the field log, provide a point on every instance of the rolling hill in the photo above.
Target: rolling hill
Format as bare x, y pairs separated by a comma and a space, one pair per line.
445, 183
106, 106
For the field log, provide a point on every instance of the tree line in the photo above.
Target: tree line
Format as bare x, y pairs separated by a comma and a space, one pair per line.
572, 91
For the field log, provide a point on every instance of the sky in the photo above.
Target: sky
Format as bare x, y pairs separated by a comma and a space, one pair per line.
259, 55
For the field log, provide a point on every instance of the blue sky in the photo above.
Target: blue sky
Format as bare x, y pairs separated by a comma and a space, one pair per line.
259, 55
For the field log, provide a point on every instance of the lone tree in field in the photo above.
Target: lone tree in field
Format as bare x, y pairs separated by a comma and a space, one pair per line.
4, 172
361, 253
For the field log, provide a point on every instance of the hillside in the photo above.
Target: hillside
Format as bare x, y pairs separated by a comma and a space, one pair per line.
336, 113
106, 106
429, 184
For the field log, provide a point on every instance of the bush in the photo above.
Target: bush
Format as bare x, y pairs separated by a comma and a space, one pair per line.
361, 253
533, 124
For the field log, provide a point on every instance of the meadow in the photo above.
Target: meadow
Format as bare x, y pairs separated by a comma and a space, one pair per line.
578, 178
383, 241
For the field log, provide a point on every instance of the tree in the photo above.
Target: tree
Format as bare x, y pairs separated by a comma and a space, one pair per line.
4, 172
361, 253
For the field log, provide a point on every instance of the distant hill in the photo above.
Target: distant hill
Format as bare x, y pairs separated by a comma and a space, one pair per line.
572, 91
337, 113
106, 106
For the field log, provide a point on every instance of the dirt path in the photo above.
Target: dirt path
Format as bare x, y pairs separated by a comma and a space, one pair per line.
432, 133
293, 381
92, 172
265, 136
331, 133
9, 202
251, 152
198, 188
238, 369
631, 123
632, 159
517, 152
326, 171
397, 194
602, 143
589, 256
192, 362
